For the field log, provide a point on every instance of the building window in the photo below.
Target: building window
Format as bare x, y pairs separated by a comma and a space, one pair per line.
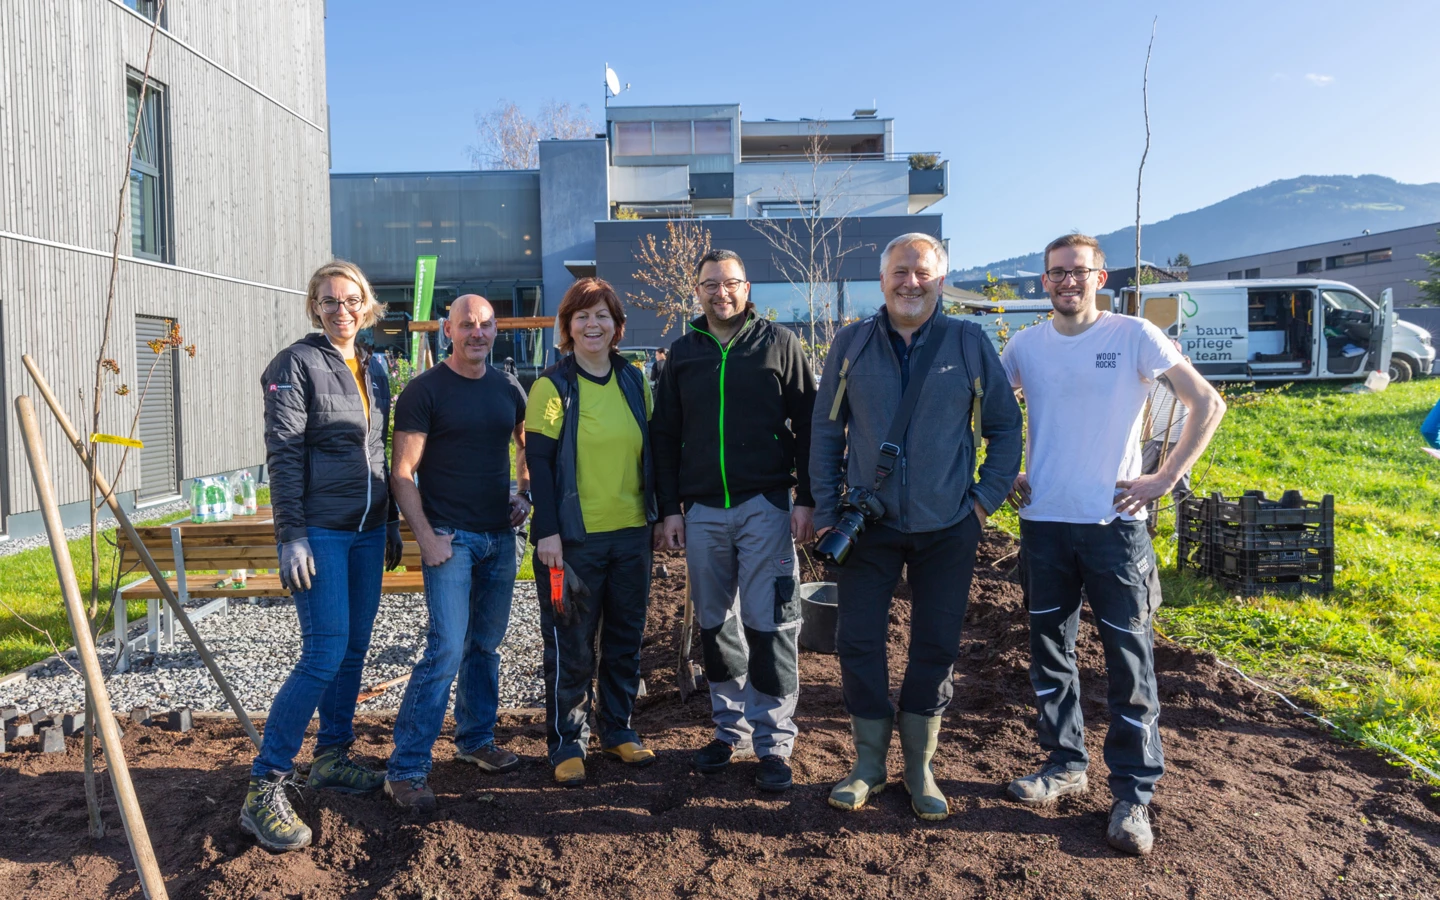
1306, 266
1346, 260
146, 8
713, 136
632, 139
147, 180
787, 210
1234, 276
1252, 273
672, 138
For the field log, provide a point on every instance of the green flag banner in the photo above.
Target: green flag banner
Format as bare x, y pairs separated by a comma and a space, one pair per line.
424, 293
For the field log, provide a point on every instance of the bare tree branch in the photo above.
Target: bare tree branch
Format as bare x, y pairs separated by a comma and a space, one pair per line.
1139, 176
509, 139
809, 247
667, 270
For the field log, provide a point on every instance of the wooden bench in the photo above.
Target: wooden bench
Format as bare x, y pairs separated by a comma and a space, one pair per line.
197, 556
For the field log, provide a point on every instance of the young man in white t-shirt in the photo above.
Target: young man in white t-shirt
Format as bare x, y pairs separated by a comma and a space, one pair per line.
1085, 375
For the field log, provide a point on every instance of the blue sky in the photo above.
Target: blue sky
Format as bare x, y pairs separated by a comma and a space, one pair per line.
1036, 105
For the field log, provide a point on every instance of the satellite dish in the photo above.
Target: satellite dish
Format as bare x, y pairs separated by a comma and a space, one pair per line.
612, 81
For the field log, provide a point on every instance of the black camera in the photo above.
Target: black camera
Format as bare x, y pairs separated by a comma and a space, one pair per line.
859, 507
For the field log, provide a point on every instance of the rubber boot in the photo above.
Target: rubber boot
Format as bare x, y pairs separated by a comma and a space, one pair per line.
867, 776
919, 736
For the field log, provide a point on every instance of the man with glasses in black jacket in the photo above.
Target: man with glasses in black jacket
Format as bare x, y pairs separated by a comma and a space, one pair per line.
730, 434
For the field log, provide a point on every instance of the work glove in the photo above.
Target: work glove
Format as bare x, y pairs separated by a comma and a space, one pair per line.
565, 586
394, 546
297, 565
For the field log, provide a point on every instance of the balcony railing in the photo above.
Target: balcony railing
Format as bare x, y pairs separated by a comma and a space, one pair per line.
843, 157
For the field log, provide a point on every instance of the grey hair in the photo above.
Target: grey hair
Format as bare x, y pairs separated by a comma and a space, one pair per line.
917, 237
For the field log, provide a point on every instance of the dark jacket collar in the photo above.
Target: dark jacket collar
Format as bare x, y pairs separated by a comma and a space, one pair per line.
920, 332
703, 324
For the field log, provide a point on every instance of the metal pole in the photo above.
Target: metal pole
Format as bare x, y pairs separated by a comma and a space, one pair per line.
103, 486
130, 815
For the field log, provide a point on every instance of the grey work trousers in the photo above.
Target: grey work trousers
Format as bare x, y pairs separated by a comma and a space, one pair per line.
744, 578
1115, 564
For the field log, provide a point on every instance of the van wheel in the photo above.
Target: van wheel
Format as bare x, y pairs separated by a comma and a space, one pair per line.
1399, 370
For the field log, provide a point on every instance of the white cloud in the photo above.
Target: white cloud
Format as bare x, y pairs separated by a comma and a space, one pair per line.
1320, 80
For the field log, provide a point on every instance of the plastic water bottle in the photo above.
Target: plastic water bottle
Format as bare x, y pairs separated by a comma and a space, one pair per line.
244, 497
197, 500
217, 499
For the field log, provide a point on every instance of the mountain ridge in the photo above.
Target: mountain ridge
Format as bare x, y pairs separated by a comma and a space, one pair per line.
1287, 212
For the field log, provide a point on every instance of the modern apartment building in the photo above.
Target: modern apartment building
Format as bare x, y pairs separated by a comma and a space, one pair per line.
226, 216
520, 238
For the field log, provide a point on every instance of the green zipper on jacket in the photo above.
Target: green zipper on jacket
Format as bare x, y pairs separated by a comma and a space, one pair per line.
724, 356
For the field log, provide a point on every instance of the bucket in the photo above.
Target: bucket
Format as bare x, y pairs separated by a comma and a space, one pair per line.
819, 608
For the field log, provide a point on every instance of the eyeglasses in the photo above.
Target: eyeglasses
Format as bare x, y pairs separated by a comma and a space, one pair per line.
332, 304
730, 286
1057, 274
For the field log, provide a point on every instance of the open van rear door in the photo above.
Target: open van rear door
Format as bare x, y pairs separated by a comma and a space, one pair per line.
1214, 330
1384, 332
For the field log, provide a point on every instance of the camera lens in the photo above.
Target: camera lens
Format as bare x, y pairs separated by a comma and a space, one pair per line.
837, 543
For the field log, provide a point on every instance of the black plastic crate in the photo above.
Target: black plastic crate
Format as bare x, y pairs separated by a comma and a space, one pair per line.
1192, 530
1252, 544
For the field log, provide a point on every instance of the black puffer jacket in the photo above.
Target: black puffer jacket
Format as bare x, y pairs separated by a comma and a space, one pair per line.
327, 465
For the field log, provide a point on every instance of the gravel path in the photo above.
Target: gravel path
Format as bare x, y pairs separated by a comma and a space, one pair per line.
256, 646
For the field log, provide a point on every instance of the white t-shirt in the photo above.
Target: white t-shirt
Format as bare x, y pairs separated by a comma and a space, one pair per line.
1085, 399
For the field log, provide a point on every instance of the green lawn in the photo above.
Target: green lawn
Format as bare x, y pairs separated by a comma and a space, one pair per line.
31, 591
1367, 655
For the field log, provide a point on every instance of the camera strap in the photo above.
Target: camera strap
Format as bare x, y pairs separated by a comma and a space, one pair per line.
919, 368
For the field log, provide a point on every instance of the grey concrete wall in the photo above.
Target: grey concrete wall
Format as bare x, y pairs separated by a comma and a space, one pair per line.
574, 194
245, 160
617, 241
1404, 264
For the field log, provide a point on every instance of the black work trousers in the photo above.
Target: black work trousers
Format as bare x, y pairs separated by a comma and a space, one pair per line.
939, 565
615, 566
1115, 564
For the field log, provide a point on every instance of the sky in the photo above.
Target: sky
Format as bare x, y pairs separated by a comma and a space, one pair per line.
1036, 105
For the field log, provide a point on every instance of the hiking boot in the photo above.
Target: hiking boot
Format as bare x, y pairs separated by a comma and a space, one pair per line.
490, 758
570, 772
712, 758
334, 770
267, 814
631, 753
919, 736
774, 775
1048, 785
412, 793
1129, 829
867, 776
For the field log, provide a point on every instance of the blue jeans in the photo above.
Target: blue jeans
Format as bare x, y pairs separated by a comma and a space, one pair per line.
468, 596
336, 617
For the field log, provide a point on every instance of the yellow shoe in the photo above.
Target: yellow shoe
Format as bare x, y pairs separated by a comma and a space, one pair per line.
632, 753
570, 772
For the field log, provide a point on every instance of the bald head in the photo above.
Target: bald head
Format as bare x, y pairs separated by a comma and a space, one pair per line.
471, 305
471, 327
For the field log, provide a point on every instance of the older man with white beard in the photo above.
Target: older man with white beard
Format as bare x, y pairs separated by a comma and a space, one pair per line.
922, 504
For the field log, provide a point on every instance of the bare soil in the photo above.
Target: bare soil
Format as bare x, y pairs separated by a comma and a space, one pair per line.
1256, 803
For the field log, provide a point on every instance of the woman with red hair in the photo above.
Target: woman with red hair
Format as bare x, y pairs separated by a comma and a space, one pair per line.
588, 444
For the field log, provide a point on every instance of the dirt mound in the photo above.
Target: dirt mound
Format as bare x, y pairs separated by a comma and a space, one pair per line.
1255, 803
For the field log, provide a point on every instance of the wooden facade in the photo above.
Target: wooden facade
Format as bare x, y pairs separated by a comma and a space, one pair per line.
247, 214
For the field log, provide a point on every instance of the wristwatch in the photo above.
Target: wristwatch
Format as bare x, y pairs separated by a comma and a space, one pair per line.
526, 494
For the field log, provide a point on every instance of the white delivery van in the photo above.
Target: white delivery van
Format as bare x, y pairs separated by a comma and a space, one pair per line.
1273, 329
